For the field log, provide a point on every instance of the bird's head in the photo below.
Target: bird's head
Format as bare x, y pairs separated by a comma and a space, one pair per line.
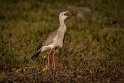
62, 15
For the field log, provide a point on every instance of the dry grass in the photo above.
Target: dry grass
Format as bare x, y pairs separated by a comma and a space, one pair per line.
93, 47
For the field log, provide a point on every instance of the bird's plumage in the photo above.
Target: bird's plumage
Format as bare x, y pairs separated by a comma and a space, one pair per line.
55, 39
35, 56
48, 40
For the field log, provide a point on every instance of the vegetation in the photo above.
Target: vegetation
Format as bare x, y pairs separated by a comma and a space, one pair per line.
93, 49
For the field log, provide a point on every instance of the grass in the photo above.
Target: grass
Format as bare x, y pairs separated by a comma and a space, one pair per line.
93, 46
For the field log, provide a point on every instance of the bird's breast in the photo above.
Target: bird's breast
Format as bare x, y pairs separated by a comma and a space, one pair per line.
58, 40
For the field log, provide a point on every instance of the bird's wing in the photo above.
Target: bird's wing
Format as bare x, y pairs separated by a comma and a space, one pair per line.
48, 40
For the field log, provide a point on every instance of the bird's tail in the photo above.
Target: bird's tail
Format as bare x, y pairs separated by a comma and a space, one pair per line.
36, 55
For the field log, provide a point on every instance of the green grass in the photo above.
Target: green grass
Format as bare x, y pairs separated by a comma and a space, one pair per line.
93, 46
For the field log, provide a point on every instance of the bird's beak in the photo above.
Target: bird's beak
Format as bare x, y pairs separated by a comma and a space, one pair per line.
66, 12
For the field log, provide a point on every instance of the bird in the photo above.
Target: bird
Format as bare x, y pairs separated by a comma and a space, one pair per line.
53, 41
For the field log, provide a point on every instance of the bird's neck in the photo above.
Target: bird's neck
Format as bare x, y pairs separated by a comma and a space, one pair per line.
62, 26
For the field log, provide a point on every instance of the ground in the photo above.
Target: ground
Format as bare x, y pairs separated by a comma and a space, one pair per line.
93, 49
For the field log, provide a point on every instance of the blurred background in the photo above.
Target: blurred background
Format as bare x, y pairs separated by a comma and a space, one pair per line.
93, 49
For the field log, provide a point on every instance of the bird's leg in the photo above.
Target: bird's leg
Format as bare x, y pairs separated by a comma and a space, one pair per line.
48, 62
54, 59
